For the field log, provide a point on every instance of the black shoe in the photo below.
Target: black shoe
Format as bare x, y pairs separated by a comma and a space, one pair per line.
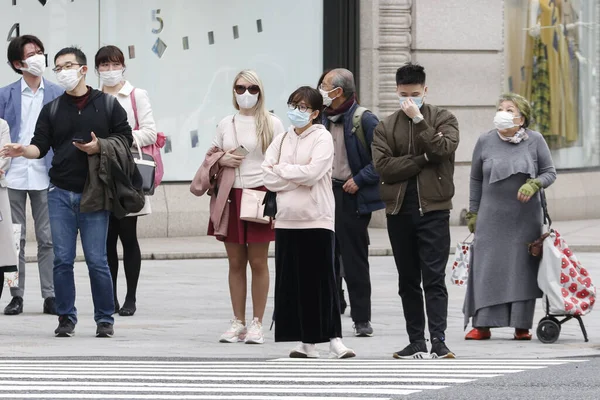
105, 329
15, 306
66, 327
363, 329
414, 350
50, 306
439, 349
343, 304
117, 306
128, 309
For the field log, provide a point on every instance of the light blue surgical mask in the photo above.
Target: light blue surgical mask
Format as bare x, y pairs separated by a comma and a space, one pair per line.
298, 118
418, 100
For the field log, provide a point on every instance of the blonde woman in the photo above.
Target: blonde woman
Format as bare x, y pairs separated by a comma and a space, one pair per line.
252, 128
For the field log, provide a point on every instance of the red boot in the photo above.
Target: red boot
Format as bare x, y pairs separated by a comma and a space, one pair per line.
478, 334
522, 334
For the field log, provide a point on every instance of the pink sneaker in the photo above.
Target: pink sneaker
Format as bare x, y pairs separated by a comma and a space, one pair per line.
236, 332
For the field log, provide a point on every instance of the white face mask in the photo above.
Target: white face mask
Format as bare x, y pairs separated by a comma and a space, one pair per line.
504, 120
36, 65
111, 78
246, 100
326, 99
69, 78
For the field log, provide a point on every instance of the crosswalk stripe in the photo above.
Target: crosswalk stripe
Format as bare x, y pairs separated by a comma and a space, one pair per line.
235, 371
284, 379
111, 395
173, 386
294, 361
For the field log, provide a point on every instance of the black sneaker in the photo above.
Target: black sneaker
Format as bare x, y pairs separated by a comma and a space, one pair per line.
439, 349
363, 329
50, 306
105, 329
416, 350
66, 327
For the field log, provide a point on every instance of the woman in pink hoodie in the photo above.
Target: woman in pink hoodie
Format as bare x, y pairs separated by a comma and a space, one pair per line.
297, 167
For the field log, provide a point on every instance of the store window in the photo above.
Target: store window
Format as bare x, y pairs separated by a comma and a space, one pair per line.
552, 52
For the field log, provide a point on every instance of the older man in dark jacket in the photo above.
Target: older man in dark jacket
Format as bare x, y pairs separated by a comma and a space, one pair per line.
355, 186
413, 151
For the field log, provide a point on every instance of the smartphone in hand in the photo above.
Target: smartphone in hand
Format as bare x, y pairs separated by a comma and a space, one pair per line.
80, 140
241, 151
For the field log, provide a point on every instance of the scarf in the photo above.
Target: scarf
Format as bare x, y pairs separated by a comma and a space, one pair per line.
516, 139
330, 112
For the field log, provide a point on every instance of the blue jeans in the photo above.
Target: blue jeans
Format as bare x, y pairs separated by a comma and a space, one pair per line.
65, 221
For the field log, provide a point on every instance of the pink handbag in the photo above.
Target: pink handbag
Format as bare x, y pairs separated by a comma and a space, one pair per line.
152, 149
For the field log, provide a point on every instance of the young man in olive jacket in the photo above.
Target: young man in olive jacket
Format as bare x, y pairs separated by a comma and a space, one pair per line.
413, 152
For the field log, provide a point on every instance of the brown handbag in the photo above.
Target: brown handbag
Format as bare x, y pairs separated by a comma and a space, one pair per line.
536, 247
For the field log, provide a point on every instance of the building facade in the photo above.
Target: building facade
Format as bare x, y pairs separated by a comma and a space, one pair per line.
473, 51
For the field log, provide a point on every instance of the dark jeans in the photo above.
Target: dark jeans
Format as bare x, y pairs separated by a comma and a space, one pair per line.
352, 245
421, 247
126, 230
66, 221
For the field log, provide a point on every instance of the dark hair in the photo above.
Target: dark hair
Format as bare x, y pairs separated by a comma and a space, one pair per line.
312, 97
109, 54
410, 74
16, 46
76, 51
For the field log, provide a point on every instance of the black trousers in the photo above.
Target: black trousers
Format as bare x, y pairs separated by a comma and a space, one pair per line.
352, 246
421, 246
126, 230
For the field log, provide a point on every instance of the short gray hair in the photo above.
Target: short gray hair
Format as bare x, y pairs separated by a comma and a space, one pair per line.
344, 79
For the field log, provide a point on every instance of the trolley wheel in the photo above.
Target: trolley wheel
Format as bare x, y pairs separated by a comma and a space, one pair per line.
548, 330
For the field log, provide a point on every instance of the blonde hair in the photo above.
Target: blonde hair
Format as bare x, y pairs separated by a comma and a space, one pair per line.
264, 124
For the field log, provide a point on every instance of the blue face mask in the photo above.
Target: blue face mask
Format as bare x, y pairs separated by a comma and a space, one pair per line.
299, 119
418, 100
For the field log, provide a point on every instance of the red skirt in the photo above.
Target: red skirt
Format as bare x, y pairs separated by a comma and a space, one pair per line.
243, 232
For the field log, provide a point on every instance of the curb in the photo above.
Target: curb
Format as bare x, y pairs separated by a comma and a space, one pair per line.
194, 255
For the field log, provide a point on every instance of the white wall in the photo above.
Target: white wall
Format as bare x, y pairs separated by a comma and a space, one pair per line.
190, 90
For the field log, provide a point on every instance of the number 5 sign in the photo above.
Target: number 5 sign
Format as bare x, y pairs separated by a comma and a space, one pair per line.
159, 46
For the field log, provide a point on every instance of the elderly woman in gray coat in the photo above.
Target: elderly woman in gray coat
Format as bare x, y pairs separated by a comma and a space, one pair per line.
510, 165
8, 253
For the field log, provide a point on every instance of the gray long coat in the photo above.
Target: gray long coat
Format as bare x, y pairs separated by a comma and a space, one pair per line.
8, 254
502, 271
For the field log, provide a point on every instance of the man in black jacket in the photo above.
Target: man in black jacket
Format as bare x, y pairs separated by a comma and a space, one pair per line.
71, 126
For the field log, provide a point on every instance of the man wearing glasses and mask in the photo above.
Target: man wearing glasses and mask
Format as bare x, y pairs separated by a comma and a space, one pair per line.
20, 105
71, 125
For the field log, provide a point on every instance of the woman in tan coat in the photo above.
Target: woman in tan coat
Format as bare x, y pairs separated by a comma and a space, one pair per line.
8, 253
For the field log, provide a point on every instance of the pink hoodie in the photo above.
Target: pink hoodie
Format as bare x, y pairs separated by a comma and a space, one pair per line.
302, 179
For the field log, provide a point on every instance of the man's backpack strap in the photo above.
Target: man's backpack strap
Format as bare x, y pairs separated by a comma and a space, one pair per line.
358, 128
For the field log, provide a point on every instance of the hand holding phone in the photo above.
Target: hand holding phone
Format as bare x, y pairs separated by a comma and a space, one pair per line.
241, 151
80, 140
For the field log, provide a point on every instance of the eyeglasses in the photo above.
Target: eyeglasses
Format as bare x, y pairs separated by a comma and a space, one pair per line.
241, 89
68, 65
300, 107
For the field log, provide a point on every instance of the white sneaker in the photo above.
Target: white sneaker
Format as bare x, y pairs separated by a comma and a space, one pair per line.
304, 350
236, 332
338, 350
255, 333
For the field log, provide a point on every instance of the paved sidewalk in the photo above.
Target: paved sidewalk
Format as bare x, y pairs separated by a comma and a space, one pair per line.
582, 236
183, 307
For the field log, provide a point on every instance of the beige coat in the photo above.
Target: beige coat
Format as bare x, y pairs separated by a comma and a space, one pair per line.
8, 253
